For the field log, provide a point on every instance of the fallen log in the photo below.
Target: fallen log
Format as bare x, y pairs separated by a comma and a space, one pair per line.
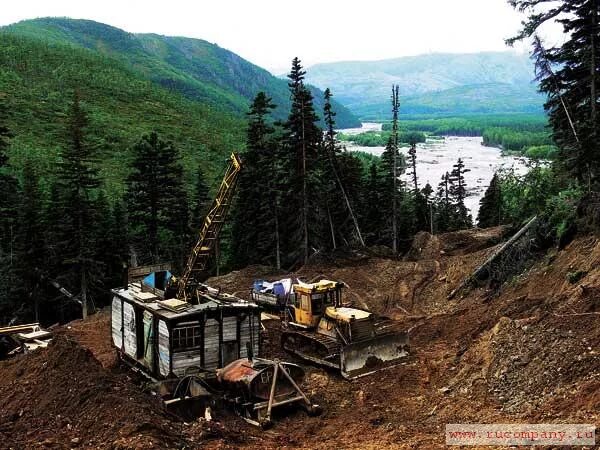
480, 270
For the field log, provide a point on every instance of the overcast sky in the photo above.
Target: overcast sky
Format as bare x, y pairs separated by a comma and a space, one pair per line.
271, 32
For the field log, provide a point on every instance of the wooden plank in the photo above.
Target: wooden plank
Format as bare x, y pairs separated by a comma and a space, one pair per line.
136, 273
117, 322
211, 344
129, 330
163, 348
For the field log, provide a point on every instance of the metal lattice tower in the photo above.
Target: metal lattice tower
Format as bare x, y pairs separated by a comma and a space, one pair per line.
213, 222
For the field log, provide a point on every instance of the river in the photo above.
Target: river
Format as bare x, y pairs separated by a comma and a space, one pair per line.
436, 157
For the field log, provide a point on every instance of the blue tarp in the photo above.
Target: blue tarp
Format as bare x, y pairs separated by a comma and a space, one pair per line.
163, 278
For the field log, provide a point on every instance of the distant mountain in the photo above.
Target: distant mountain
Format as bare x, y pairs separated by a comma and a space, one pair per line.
434, 84
199, 70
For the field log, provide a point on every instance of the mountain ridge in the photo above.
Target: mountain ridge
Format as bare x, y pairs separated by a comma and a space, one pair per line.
363, 86
196, 68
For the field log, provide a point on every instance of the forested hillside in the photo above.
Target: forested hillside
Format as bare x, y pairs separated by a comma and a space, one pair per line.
37, 81
434, 84
199, 70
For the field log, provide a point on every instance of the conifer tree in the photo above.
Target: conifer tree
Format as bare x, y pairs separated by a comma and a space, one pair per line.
394, 154
460, 217
490, 205
426, 194
7, 216
78, 182
255, 225
8, 185
30, 254
303, 142
570, 75
443, 207
373, 206
158, 205
393, 167
419, 202
345, 173
412, 162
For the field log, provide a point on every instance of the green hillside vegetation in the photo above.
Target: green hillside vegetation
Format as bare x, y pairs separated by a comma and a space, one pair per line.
463, 100
197, 69
526, 134
37, 80
380, 138
438, 84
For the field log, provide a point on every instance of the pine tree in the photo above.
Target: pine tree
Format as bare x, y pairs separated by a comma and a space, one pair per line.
302, 143
570, 75
490, 206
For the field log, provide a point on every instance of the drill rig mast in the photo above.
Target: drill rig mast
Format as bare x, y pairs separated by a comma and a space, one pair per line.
195, 269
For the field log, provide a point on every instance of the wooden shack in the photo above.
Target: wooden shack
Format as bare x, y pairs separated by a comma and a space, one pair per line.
170, 338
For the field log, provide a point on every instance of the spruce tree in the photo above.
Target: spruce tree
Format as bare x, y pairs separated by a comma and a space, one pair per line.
570, 75
412, 162
393, 163
460, 217
30, 250
391, 190
346, 173
78, 182
302, 143
9, 202
255, 225
373, 218
490, 206
8, 185
420, 208
158, 205
443, 209
426, 196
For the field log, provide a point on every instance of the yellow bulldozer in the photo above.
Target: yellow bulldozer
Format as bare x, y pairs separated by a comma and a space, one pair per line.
319, 329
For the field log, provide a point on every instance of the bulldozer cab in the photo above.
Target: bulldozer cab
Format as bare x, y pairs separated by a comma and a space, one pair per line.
312, 299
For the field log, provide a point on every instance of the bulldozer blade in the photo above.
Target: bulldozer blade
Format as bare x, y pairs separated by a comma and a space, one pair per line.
363, 358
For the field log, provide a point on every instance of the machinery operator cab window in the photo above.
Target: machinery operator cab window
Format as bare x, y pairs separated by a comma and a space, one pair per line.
321, 301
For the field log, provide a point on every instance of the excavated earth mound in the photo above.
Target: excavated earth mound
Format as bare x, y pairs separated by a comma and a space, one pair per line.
61, 397
527, 353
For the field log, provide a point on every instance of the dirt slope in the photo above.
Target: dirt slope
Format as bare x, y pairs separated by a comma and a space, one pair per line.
529, 354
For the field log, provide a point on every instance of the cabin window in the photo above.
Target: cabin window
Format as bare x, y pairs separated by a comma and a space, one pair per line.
187, 337
318, 303
305, 302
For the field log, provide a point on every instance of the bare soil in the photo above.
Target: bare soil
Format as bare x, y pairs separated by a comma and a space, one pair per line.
528, 354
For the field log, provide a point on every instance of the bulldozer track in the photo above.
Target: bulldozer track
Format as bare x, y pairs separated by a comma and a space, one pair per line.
323, 343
